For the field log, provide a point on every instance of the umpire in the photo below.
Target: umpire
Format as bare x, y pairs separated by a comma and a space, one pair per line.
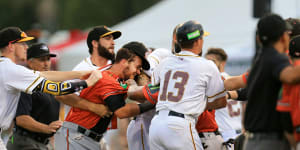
37, 114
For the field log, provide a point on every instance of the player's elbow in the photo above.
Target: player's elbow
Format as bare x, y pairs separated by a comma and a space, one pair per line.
121, 114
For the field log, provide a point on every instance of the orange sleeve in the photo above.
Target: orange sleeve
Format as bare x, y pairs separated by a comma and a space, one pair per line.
151, 93
245, 77
283, 103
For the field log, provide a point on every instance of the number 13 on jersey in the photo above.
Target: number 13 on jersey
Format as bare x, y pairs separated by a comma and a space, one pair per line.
181, 80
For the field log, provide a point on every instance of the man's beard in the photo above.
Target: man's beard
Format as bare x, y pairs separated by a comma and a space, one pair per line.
104, 52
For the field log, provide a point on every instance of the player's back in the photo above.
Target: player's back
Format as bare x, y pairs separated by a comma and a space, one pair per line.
184, 79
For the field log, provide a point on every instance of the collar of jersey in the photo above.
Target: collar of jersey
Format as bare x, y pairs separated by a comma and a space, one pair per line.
186, 53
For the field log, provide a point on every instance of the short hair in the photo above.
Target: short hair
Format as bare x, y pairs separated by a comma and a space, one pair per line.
219, 52
295, 23
187, 44
270, 28
125, 53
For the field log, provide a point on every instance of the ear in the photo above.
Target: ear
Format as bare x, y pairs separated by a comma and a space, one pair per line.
10, 47
95, 43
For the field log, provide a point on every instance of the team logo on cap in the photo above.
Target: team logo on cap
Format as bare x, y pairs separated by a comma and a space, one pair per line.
44, 47
193, 35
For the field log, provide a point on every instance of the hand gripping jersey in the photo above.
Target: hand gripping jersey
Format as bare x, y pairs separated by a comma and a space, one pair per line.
108, 85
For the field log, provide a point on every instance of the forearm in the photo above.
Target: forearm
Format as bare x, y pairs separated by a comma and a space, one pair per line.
27, 122
136, 93
217, 103
75, 101
129, 110
234, 83
60, 88
62, 75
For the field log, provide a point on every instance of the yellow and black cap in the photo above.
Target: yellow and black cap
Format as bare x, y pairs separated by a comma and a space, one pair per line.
101, 31
13, 35
190, 31
38, 50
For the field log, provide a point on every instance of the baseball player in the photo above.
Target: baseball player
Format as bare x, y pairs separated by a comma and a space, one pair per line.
83, 129
290, 95
15, 78
138, 128
101, 44
228, 118
185, 88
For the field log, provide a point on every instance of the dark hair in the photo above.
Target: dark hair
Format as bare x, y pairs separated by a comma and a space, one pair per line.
219, 52
125, 53
295, 23
187, 44
270, 28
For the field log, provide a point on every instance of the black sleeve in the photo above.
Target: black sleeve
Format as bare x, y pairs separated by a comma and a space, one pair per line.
286, 121
242, 94
114, 102
24, 105
279, 63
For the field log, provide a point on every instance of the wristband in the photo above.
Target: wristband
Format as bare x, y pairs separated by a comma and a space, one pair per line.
145, 106
229, 95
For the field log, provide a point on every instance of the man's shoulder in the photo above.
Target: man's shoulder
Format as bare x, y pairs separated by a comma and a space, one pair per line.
85, 65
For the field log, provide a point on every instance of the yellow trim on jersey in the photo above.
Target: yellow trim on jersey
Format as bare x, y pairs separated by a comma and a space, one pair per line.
186, 55
142, 137
155, 59
217, 94
26, 91
192, 136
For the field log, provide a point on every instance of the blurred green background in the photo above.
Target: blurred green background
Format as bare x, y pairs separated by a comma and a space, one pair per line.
53, 15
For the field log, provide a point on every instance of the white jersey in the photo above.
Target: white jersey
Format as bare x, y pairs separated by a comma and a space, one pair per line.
187, 81
156, 57
85, 64
229, 118
14, 79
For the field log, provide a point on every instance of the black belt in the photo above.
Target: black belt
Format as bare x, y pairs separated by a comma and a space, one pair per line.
43, 140
201, 135
89, 133
174, 113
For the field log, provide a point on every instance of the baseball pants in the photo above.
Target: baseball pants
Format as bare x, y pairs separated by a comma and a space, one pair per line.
68, 138
298, 146
22, 142
138, 134
2, 145
171, 132
265, 141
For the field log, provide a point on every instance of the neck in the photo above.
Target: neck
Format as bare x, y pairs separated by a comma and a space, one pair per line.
115, 68
195, 51
10, 56
279, 47
98, 60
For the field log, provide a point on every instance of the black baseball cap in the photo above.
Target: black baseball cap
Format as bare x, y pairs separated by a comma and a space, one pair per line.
271, 27
190, 31
13, 35
38, 50
294, 49
140, 50
101, 31
295, 23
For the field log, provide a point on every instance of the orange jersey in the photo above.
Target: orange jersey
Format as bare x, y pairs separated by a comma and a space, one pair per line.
290, 102
151, 93
207, 122
107, 86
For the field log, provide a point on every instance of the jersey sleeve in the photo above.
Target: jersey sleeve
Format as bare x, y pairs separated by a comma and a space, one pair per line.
23, 79
215, 86
283, 104
151, 93
245, 77
155, 80
24, 105
278, 64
